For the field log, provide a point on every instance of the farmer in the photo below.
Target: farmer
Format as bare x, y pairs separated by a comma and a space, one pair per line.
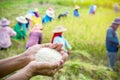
29, 19
5, 33
36, 19
35, 36
29, 67
92, 9
49, 16
20, 27
63, 15
58, 38
112, 42
76, 12
116, 7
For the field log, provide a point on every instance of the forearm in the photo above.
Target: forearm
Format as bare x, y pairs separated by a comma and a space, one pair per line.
12, 64
23, 74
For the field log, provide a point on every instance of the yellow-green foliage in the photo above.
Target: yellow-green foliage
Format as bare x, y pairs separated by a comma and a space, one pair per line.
86, 35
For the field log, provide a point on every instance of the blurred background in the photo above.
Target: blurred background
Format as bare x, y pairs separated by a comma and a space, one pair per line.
86, 34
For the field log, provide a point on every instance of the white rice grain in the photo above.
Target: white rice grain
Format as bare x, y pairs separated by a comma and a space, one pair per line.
48, 55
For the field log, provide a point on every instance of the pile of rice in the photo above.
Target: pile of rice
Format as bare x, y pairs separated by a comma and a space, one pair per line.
48, 55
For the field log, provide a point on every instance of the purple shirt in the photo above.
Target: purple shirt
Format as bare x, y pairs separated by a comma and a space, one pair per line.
5, 33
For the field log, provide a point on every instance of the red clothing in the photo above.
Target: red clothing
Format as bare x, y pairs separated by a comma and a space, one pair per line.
55, 35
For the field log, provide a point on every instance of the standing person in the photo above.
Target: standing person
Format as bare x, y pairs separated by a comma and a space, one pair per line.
76, 12
35, 36
116, 7
5, 33
112, 42
20, 27
92, 9
58, 38
49, 16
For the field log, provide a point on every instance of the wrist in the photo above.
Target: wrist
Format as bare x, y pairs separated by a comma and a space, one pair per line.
27, 72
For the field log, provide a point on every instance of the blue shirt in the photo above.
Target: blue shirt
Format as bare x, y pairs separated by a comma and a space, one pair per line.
46, 19
91, 10
76, 13
62, 40
112, 41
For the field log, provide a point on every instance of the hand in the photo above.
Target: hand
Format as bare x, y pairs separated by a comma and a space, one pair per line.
34, 49
48, 69
42, 68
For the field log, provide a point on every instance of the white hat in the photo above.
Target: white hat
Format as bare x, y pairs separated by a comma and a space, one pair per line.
76, 7
59, 29
4, 22
29, 16
116, 21
50, 12
21, 19
36, 9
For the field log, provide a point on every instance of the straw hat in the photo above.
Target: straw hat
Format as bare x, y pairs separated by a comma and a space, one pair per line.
59, 29
4, 22
28, 16
116, 21
21, 19
36, 9
76, 7
50, 12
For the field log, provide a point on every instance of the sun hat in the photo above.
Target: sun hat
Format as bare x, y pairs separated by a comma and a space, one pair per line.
4, 22
59, 29
21, 19
28, 16
116, 21
50, 12
76, 7
35, 9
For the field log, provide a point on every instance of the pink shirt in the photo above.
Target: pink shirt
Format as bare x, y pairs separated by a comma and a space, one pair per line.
5, 34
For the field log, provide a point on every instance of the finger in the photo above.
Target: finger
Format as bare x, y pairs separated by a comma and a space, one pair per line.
55, 45
64, 55
59, 47
35, 47
47, 45
46, 72
52, 72
47, 65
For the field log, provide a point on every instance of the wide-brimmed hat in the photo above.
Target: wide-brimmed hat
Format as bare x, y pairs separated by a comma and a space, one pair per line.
59, 29
35, 9
76, 7
4, 22
21, 19
50, 12
116, 21
28, 16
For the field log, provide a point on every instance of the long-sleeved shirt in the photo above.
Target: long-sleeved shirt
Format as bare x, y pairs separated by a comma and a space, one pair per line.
62, 40
76, 13
5, 34
20, 30
112, 41
46, 19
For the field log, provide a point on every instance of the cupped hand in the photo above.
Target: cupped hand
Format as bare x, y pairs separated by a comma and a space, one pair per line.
42, 68
30, 52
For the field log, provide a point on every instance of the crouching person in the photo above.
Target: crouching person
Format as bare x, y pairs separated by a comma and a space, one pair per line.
35, 36
5, 33
58, 38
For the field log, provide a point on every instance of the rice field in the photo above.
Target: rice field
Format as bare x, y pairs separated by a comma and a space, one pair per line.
86, 34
